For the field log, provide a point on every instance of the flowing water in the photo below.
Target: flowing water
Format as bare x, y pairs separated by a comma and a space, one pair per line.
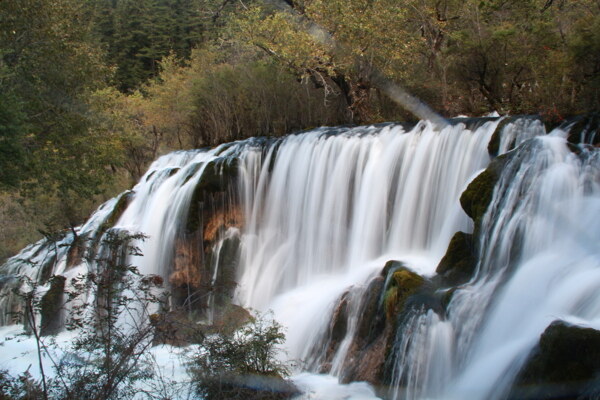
335, 207
324, 210
540, 262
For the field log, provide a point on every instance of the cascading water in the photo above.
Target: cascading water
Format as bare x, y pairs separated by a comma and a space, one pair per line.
318, 214
327, 209
539, 262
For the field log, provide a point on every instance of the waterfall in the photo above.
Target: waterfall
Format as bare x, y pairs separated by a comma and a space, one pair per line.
326, 209
304, 225
539, 262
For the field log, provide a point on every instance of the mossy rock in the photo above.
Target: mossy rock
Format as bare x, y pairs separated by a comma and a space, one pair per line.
565, 365
217, 178
371, 323
51, 305
478, 195
391, 266
494, 144
118, 210
403, 284
459, 263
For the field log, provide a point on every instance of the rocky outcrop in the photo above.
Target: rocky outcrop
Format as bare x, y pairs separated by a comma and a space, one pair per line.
378, 307
196, 277
459, 263
564, 366
584, 129
494, 143
478, 195
400, 287
51, 305
178, 328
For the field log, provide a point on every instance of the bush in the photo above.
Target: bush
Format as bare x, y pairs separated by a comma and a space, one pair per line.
242, 364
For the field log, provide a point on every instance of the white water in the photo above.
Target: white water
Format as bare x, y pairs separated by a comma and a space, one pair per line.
326, 209
335, 208
547, 203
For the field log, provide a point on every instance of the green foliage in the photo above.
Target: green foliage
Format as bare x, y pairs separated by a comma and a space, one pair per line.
48, 142
227, 363
216, 99
137, 35
12, 129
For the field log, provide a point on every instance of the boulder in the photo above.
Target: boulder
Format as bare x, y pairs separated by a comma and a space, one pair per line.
459, 263
565, 365
400, 287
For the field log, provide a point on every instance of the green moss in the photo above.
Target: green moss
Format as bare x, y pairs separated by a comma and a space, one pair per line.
478, 195
494, 144
50, 306
402, 285
563, 366
459, 262
117, 210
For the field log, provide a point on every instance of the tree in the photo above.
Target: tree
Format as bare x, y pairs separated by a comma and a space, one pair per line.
109, 307
49, 67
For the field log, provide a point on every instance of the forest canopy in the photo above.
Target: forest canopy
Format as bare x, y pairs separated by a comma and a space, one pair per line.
92, 91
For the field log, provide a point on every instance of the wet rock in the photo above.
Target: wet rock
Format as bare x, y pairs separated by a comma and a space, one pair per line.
584, 129
339, 322
565, 365
401, 286
370, 363
76, 251
51, 305
478, 195
181, 328
230, 318
188, 275
118, 210
228, 258
494, 144
212, 192
175, 328
373, 321
459, 263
